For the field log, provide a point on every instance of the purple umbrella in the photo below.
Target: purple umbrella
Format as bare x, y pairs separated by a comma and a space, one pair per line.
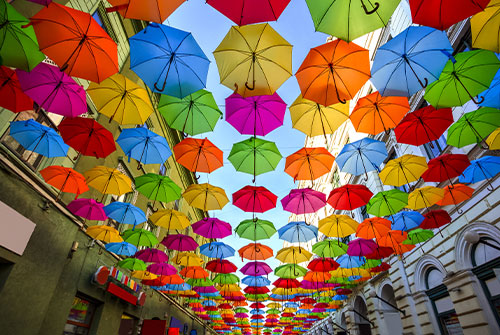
88, 209
318, 310
256, 269
309, 285
162, 269
53, 90
179, 242
205, 289
151, 255
361, 247
41, 2
303, 201
257, 115
212, 228
241, 315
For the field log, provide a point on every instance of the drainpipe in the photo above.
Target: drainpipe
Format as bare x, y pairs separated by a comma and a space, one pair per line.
409, 294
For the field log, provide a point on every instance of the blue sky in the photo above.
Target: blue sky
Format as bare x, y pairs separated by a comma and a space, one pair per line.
209, 28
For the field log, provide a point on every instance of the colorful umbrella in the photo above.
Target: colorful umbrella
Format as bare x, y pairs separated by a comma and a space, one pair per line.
243, 12
349, 262
418, 235
125, 213
75, 42
179, 242
303, 201
297, 232
140, 237
403, 170
361, 247
198, 155
473, 127
337, 225
290, 271
255, 251
309, 163
256, 269
258, 281
144, 146
107, 180
435, 219
481, 169
255, 229
187, 259
293, 255
170, 219
106, 234
492, 94
485, 24
151, 255
329, 248
349, 197
65, 179
424, 197
445, 167
12, 96
336, 66
121, 248
406, 220
256, 199
145, 10
253, 60
387, 202
227, 278
221, 266
322, 265
195, 272
216, 250
373, 228
88, 209
361, 156
157, 187
212, 228
392, 239
205, 196
493, 140
38, 138
133, 264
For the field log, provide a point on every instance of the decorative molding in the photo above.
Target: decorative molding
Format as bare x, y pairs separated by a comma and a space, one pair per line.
463, 249
424, 263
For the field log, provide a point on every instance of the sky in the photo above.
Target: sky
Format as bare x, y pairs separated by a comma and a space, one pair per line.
209, 27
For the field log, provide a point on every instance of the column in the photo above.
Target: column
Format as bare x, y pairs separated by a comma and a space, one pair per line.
350, 321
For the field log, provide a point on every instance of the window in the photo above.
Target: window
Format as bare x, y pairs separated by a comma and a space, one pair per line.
364, 213
437, 147
102, 19
80, 316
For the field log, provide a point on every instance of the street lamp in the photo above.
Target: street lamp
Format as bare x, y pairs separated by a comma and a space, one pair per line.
472, 237
373, 294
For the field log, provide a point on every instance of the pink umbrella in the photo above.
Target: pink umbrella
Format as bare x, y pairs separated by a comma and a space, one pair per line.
41, 2
361, 247
310, 285
256, 269
205, 289
212, 228
88, 209
257, 115
162, 269
303, 201
151, 255
179, 242
53, 90
256, 199
241, 315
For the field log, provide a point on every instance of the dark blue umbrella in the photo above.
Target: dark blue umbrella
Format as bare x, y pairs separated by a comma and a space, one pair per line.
361, 156
168, 60
122, 248
297, 232
38, 138
481, 169
410, 61
125, 213
406, 220
216, 250
144, 145
257, 281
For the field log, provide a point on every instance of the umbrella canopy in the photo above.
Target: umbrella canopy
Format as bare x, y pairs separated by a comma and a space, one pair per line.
485, 24
256, 199
349, 197
226, 278
361, 156
221, 266
125, 213
256, 269
361, 247
145, 10
294, 255
75, 42
170, 219
435, 219
253, 60
481, 169
410, 61
303, 201
140, 237
493, 140
212, 228
336, 66
290, 271
121, 248
187, 259
195, 272
349, 262
255, 229
205, 196
132, 264
418, 236
258, 281
243, 12
492, 94
179, 242
198, 155
424, 197
329, 248
157, 187
403, 170
106, 234
322, 265
65, 179
309, 163
255, 251
406, 220
144, 146
88, 209
473, 127
392, 239
373, 228
337, 225
151, 255
168, 60
216, 250
445, 167
107, 180
387, 202
12, 96
38, 138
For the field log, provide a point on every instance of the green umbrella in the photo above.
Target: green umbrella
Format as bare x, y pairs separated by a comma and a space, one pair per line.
329, 248
257, 297
194, 114
473, 127
241, 310
273, 311
132, 264
371, 263
290, 271
158, 188
201, 282
350, 19
254, 156
418, 236
18, 45
140, 237
463, 77
255, 229
387, 202
338, 280
226, 278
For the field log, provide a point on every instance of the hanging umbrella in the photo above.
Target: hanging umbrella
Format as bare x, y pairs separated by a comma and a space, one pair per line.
144, 146
435, 219
157, 187
424, 197
212, 228
349, 197
418, 235
361, 156
151, 255
392, 238
256, 281
243, 12
221, 266
293, 255
87, 137
205, 196
403, 170
168, 60
484, 168
195, 272
382, 252
75, 42
317, 277
374, 113
12, 96
406, 220
38, 138
303, 201
492, 94
445, 167
132, 264
256, 199
256, 269
410, 61
121, 248
349, 262
179, 242
322, 265
290, 271
387, 202
484, 25
226, 278
424, 125
432, 13
216, 250
254, 156
255, 251
140, 237
144, 275
255, 229
88, 209
145, 10
107, 180
170, 219
493, 140
255, 115
329, 248
361, 247
106, 234
463, 77
373, 228
121, 99
198, 155
337, 225
125, 213
336, 66
309, 163
187, 259
473, 127
253, 60
64, 179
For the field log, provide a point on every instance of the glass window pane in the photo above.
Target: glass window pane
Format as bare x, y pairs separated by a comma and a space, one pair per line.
434, 278
493, 285
444, 305
484, 253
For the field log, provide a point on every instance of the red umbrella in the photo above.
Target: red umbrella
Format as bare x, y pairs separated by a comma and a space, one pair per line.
322, 265
349, 197
286, 283
257, 305
435, 219
243, 12
423, 125
257, 317
12, 96
179, 242
445, 167
256, 290
382, 267
380, 253
221, 266
255, 199
345, 291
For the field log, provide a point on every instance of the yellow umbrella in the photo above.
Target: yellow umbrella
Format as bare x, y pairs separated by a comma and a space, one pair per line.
342, 272
121, 100
284, 291
106, 234
403, 170
205, 196
107, 180
493, 140
143, 275
338, 226
314, 119
485, 27
290, 310
228, 288
274, 305
187, 259
253, 60
170, 219
424, 197
294, 255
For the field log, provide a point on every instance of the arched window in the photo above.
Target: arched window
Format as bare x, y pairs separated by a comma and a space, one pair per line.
392, 318
361, 317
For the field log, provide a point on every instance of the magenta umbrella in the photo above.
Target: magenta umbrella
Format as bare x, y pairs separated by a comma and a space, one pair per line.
212, 228
241, 315
88, 209
151, 255
257, 115
303, 201
256, 269
361, 247
205, 289
41, 2
309, 285
162, 269
53, 90
179, 242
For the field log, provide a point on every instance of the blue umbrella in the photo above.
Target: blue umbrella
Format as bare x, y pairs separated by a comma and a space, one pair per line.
38, 138
144, 146
216, 250
177, 287
280, 297
122, 248
125, 213
481, 169
297, 232
257, 312
410, 61
492, 94
291, 305
257, 281
361, 156
209, 303
168, 60
406, 220
303, 311
214, 294
342, 296
349, 262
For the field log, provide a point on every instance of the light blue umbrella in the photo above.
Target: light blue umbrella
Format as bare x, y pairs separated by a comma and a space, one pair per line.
481, 169
410, 61
168, 60
125, 213
361, 156
144, 145
349, 262
257, 312
280, 297
297, 232
217, 250
406, 220
38, 138
342, 296
209, 303
121, 248
291, 305
177, 287
492, 94
204, 294
258, 281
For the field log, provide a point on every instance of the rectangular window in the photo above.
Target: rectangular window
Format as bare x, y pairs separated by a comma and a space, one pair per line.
437, 147
80, 316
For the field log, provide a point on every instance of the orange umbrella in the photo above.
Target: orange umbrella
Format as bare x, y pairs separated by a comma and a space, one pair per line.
75, 42
333, 72
392, 238
400, 249
255, 251
317, 276
65, 179
455, 194
374, 113
198, 155
172, 280
309, 163
146, 10
373, 228
195, 272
